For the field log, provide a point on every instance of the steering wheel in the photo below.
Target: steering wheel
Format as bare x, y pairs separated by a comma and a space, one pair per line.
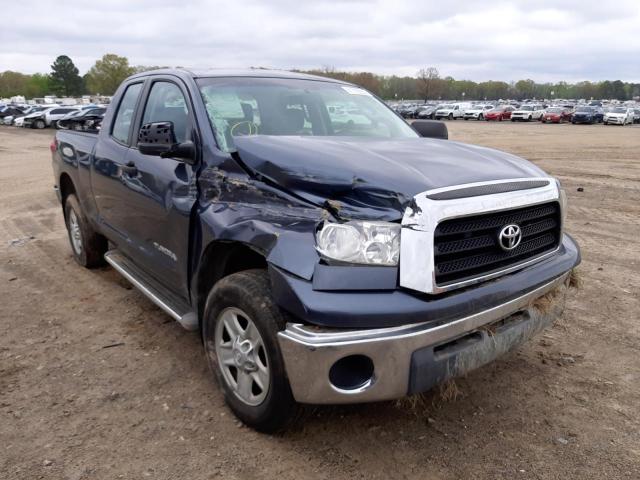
244, 128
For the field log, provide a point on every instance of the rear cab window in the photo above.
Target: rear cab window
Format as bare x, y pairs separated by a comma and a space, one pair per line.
124, 116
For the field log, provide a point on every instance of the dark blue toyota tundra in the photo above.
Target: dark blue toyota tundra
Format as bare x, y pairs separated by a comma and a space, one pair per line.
327, 251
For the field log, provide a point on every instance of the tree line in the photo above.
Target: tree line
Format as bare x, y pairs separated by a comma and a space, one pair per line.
64, 79
108, 72
429, 85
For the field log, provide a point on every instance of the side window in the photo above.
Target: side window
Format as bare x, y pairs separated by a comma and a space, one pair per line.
166, 103
124, 116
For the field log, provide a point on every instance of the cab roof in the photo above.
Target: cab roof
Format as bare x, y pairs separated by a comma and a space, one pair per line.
244, 72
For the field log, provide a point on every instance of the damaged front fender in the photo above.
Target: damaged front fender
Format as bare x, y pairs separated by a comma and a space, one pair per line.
234, 207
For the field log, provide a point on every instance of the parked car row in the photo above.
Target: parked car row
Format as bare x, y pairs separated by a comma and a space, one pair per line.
526, 112
56, 116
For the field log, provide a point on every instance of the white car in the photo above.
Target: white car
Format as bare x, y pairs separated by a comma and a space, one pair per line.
36, 119
55, 114
477, 112
618, 116
451, 111
526, 113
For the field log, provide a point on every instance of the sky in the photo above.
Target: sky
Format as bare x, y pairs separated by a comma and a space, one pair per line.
547, 41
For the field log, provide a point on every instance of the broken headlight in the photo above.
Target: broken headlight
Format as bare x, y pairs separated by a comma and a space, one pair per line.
370, 243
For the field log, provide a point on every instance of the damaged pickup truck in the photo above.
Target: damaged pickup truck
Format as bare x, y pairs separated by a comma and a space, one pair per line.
326, 251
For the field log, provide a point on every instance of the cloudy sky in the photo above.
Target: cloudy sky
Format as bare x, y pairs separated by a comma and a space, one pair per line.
472, 39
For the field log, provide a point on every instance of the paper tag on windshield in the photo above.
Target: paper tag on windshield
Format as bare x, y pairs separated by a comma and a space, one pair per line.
356, 91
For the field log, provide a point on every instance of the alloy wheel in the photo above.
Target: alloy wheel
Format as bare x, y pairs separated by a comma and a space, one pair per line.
242, 356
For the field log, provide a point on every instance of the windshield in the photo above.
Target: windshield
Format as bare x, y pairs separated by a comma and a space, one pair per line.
526, 108
445, 107
554, 110
279, 106
619, 110
584, 109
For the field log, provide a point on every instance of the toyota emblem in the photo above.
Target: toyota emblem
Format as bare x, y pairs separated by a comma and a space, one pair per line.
510, 237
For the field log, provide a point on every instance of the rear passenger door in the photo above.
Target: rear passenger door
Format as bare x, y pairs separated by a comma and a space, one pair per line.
161, 192
109, 175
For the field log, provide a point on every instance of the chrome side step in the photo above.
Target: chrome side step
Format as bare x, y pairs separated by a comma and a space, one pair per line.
173, 306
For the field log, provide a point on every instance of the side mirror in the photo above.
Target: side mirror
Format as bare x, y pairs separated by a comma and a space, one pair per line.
431, 129
159, 139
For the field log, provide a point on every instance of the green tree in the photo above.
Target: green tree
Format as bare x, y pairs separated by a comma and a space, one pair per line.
37, 86
12, 83
108, 73
64, 78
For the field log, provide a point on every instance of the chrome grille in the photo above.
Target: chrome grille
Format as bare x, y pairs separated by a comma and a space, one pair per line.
468, 247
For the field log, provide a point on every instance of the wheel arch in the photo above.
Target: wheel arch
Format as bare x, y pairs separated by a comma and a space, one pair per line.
66, 186
218, 260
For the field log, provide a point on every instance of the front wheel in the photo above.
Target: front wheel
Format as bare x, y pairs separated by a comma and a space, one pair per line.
480, 117
240, 327
450, 117
39, 124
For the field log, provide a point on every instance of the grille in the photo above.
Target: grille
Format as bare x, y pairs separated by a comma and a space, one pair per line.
468, 247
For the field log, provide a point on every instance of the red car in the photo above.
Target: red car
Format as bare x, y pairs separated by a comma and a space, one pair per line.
556, 115
499, 113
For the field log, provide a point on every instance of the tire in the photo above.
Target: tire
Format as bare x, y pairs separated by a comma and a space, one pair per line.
88, 246
513, 119
39, 124
466, 118
480, 117
245, 298
450, 117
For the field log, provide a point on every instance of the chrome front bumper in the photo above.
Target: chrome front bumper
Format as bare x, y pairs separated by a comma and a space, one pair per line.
413, 358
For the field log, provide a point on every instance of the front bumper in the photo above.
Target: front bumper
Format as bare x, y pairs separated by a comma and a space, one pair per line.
413, 358
616, 120
580, 119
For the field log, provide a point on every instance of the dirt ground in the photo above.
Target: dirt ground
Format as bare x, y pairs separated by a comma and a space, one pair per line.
98, 383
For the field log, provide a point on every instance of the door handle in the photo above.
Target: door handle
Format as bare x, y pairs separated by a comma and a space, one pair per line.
129, 168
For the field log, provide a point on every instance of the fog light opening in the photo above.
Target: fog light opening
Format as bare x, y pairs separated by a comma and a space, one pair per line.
353, 372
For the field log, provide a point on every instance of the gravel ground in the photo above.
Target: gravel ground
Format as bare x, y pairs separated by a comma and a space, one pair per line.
97, 383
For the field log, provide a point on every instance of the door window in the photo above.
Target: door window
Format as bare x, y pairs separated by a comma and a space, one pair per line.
166, 103
122, 122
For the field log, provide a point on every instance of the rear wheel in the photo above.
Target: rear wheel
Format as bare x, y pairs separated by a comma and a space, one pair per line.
88, 246
241, 324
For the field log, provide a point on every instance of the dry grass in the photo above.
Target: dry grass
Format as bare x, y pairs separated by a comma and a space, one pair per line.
420, 404
449, 391
576, 279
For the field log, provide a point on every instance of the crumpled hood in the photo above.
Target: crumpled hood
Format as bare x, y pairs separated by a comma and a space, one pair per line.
373, 178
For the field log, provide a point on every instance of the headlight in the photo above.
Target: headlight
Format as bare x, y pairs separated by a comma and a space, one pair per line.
372, 243
563, 203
